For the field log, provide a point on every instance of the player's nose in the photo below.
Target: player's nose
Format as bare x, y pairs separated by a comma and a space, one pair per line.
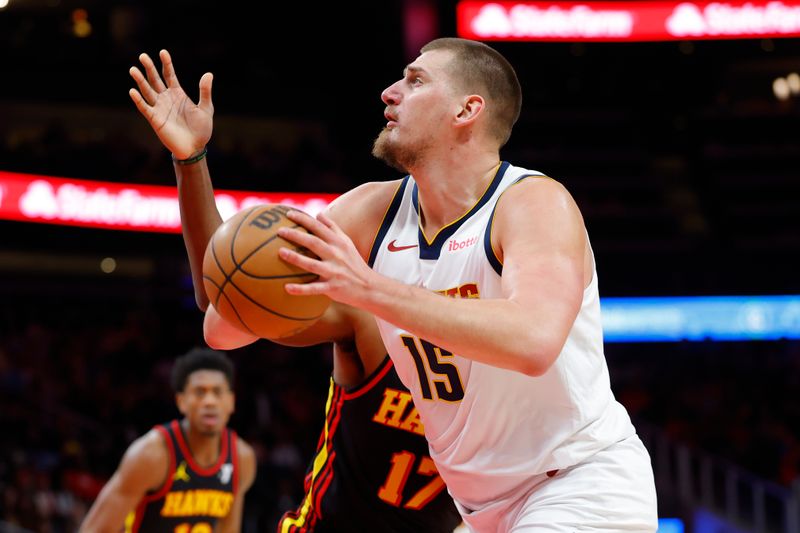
391, 94
210, 399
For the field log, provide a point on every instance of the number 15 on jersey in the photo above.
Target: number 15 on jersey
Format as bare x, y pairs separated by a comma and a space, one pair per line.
437, 372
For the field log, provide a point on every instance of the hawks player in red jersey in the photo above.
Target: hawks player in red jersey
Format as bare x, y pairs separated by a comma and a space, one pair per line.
185, 476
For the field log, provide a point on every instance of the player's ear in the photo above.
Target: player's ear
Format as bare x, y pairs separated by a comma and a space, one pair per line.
180, 401
469, 110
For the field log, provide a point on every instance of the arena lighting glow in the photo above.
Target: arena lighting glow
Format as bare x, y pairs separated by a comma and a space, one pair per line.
107, 205
627, 21
670, 525
700, 318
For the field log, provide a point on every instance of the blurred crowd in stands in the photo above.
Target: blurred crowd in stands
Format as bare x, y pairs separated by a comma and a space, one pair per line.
78, 385
734, 400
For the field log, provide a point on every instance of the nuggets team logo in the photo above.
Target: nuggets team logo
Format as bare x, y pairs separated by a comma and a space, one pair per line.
225, 473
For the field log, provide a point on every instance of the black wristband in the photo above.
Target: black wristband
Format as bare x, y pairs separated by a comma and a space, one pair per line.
193, 159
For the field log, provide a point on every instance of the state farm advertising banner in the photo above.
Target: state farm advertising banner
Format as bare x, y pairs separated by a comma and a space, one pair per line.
626, 21
120, 206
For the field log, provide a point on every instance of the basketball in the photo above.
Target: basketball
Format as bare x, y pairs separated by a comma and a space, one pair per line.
244, 277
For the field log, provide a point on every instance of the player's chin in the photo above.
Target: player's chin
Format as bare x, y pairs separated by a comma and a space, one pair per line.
208, 431
211, 425
382, 143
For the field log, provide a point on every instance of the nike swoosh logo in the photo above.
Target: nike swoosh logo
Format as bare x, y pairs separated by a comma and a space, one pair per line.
394, 248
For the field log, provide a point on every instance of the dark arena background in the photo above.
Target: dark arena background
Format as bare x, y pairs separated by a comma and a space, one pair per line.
683, 155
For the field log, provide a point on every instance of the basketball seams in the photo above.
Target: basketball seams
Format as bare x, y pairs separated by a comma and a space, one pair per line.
233, 257
236, 234
259, 247
238, 316
222, 270
240, 266
215, 284
247, 308
220, 293
276, 313
279, 276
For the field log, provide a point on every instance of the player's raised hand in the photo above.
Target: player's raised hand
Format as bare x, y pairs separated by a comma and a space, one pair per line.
183, 126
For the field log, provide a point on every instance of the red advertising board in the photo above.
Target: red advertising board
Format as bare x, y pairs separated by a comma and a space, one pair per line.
627, 21
120, 206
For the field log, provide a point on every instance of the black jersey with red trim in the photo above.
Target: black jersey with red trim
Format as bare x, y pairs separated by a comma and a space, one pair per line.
193, 499
372, 471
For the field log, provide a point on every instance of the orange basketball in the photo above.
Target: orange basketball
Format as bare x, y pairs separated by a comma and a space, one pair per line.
244, 278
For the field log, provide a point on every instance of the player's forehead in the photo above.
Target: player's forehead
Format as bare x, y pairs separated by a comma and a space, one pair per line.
430, 63
207, 378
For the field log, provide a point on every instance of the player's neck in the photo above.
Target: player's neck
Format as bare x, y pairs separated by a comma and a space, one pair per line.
449, 187
205, 448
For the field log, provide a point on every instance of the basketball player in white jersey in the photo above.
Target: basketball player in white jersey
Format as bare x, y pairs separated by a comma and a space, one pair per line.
483, 282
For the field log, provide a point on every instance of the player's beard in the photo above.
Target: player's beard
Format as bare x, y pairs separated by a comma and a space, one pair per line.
396, 155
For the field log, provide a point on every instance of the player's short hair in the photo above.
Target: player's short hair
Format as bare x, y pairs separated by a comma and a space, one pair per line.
200, 359
483, 70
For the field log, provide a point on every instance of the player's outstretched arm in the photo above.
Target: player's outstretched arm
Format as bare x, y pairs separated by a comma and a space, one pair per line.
143, 468
184, 128
247, 474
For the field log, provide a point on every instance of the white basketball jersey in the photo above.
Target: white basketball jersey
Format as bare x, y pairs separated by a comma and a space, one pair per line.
490, 430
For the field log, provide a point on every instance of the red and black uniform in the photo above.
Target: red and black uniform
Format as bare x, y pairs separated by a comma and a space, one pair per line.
193, 499
372, 471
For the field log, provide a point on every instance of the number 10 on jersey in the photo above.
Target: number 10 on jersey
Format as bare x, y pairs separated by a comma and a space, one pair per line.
444, 374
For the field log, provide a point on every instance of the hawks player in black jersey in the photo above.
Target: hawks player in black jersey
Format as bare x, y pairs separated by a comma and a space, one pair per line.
372, 471
185, 476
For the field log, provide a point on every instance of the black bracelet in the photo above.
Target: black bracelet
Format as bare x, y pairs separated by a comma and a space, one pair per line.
193, 159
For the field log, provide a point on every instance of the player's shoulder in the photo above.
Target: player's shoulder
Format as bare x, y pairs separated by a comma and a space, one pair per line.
534, 189
244, 449
370, 196
147, 459
154, 443
360, 211
246, 458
